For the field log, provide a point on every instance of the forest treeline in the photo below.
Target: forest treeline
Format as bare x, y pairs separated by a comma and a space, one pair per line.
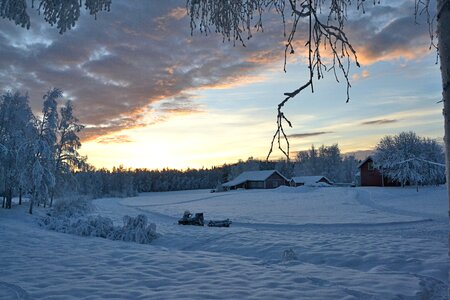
325, 160
39, 160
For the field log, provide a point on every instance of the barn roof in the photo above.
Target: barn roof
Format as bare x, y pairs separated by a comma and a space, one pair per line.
306, 180
252, 176
364, 161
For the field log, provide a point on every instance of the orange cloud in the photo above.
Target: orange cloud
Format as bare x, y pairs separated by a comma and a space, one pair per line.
178, 13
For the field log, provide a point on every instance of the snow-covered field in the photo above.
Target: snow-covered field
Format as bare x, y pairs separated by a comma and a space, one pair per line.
343, 243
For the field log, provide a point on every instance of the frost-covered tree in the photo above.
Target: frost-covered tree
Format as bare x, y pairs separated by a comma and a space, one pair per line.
62, 13
43, 168
36, 153
243, 166
349, 168
410, 159
326, 161
17, 133
67, 159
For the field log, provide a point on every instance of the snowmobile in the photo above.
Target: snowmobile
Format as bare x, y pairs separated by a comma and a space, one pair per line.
187, 219
198, 220
221, 223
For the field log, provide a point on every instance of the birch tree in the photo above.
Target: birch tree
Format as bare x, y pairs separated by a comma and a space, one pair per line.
44, 169
409, 159
62, 13
16, 135
67, 158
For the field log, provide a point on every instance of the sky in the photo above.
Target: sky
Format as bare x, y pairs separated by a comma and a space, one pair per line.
153, 95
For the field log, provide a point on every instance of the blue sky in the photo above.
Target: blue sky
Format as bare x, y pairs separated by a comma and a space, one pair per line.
154, 96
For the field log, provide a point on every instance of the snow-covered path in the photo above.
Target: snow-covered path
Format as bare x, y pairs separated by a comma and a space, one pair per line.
349, 244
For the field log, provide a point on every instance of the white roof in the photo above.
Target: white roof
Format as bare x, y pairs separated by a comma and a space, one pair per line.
252, 176
364, 161
307, 180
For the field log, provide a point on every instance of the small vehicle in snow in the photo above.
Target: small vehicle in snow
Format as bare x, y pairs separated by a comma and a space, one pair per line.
198, 220
221, 223
187, 219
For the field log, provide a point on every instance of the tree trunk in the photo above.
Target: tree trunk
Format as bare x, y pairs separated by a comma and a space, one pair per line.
443, 34
51, 198
20, 196
4, 200
9, 198
30, 211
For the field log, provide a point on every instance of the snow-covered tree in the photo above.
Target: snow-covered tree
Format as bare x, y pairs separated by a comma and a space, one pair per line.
43, 175
242, 166
17, 133
67, 158
34, 153
410, 159
326, 161
349, 168
62, 13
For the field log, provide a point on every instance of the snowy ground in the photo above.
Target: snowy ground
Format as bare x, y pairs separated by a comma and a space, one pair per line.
350, 243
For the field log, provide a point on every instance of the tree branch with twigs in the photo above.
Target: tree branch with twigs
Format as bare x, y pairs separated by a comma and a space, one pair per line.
328, 47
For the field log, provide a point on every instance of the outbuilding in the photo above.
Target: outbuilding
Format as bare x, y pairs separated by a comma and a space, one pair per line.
371, 176
309, 180
267, 179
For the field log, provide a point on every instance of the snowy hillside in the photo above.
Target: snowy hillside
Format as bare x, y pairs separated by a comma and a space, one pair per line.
288, 243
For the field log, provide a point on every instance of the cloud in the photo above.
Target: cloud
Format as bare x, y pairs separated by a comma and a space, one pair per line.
389, 32
308, 134
181, 104
117, 139
138, 64
379, 122
364, 74
118, 67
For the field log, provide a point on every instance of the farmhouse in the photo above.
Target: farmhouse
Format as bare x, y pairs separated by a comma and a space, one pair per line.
267, 179
309, 180
371, 176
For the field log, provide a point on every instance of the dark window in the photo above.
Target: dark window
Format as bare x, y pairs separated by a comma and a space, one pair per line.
370, 166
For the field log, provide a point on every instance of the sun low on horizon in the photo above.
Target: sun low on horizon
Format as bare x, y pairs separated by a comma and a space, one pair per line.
151, 95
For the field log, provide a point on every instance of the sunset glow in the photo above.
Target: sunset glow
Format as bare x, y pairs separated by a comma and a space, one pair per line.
153, 96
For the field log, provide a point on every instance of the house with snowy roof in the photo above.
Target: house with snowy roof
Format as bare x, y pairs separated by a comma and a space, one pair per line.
310, 180
369, 175
266, 179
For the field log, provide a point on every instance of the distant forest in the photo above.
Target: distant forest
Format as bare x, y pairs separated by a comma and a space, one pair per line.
129, 182
325, 160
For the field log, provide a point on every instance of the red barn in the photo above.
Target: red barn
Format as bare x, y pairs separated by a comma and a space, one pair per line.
371, 176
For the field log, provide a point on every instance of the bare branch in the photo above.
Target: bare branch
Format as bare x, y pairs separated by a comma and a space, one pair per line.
324, 21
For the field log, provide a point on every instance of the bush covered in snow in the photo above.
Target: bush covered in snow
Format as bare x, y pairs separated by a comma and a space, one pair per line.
72, 206
134, 229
